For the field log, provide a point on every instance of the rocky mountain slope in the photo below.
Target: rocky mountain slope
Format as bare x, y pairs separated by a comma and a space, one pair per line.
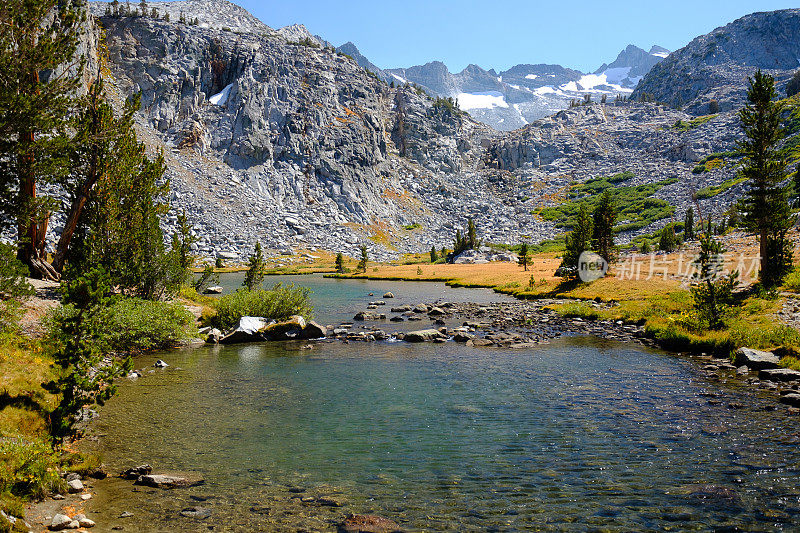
513, 98
300, 147
716, 66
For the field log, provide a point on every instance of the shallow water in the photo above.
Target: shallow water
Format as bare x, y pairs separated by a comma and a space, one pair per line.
581, 434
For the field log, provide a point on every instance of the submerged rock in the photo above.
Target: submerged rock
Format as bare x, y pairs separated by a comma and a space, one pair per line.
779, 374
161, 481
137, 471
200, 513
356, 523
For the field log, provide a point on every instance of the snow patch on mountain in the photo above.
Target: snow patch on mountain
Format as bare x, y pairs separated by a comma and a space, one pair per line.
485, 100
221, 98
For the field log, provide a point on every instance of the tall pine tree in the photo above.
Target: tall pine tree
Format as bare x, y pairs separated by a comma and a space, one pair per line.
605, 216
38, 44
766, 206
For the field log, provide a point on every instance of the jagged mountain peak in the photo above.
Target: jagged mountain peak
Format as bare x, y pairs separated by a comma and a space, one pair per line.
715, 66
217, 14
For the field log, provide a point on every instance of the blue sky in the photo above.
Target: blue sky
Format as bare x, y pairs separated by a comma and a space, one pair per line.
501, 33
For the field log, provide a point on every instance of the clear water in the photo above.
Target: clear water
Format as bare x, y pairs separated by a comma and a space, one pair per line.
578, 435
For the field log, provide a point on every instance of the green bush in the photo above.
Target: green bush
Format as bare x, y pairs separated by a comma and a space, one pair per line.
279, 303
139, 325
134, 325
28, 469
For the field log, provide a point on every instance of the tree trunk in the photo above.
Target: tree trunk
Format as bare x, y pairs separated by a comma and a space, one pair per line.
31, 226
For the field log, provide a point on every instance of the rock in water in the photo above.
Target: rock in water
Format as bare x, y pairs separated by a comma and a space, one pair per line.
357, 523
213, 290
756, 359
137, 471
424, 335
281, 331
314, 331
160, 364
779, 374
200, 513
248, 330
160, 481
388, 295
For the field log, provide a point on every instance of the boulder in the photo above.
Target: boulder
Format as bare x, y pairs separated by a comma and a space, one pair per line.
401, 309
792, 399
421, 308
756, 359
314, 331
281, 331
60, 522
160, 364
248, 330
213, 290
463, 337
214, 336
388, 295
75, 485
436, 311
366, 315
160, 481
423, 335
355, 523
779, 374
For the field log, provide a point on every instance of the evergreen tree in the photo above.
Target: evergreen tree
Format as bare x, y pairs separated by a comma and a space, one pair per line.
713, 294
668, 242
524, 257
115, 7
339, 263
206, 278
84, 379
434, 255
256, 269
578, 241
688, 225
605, 216
472, 235
182, 241
143, 7
38, 43
119, 225
766, 206
793, 87
362, 263
645, 249
166, 17
796, 187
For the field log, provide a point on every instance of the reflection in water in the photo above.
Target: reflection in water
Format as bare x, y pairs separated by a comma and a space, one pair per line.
575, 435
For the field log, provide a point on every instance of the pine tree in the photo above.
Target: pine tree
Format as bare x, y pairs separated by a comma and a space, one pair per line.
713, 294
688, 225
362, 263
143, 7
182, 241
206, 278
38, 43
256, 269
766, 207
339, 263
605, 216
472, 235
115, 7
13, 287
578, 241
434, 254
668, 242
524, 257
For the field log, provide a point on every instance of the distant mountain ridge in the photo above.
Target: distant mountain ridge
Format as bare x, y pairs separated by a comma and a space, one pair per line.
523, 93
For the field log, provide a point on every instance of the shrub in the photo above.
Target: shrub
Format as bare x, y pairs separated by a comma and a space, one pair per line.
713, 107
131, 325
279, 303
28, 469
13, 287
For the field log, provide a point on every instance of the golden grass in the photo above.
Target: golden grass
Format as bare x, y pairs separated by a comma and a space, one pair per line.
24, 366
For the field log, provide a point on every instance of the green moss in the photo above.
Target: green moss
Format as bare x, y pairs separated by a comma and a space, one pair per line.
714, 190
682, 125
635, 205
